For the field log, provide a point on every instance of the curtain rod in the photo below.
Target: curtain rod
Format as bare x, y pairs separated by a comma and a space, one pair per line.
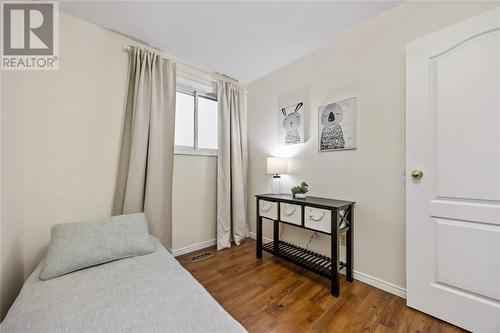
188, 65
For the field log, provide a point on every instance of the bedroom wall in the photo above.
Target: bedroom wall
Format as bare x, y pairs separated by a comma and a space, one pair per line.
369, 63
194, 204
70, 123
11, 243
61, 136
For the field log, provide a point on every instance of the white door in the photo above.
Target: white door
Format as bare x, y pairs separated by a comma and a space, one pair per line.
453, 138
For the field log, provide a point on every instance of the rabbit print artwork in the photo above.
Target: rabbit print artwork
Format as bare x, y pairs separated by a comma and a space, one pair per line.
337, 128
292, 126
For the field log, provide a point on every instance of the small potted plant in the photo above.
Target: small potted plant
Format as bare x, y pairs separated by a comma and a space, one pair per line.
300, 191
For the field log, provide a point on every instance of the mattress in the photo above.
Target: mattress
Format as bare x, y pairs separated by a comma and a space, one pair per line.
150, 293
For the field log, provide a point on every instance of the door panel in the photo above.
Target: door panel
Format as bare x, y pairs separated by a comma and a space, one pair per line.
464, 251
464, 83
453, 136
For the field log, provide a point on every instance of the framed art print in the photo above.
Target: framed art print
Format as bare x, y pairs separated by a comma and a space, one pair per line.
291, 124
337, 125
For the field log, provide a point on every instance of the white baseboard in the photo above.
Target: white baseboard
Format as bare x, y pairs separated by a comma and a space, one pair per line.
380, 284
253, 235
363, 277
193, 247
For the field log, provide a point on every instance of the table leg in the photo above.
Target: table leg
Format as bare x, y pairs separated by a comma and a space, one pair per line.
259, 233
276, 235
334, 279
349, 243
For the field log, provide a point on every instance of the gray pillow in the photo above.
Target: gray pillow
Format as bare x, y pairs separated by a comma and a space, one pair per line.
74, 246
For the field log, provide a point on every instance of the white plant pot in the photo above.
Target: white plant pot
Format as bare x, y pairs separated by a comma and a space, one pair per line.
300, 195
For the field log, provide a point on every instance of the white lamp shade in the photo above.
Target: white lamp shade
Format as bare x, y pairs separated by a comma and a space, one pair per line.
277, 166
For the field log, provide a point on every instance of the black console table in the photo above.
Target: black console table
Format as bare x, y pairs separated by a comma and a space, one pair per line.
327, 216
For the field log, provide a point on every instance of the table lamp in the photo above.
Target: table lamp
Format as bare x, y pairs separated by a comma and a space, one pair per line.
276, 167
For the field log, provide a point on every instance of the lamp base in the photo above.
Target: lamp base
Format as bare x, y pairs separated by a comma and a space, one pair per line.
276, 185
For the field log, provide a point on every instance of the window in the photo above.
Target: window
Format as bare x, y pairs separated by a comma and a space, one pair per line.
195, 124
184, 120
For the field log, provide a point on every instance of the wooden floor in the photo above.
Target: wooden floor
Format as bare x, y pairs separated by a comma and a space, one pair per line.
271, 295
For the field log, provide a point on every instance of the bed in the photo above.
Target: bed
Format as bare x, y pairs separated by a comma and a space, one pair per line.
148, 293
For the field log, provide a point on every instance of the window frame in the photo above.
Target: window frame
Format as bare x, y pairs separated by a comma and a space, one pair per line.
195, 150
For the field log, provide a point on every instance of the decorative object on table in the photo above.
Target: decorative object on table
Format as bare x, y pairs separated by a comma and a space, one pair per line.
291, 124
276, 167
300, 191
337, 125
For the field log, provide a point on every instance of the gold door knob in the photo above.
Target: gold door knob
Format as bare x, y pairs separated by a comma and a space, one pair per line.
417, 174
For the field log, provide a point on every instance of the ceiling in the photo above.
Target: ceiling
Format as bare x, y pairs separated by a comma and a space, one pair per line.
243, 39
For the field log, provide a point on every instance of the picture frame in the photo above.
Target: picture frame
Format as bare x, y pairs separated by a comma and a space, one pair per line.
337, 125
291, 124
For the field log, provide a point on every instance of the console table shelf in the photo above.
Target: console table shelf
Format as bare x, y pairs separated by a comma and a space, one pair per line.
309, 260
327, 216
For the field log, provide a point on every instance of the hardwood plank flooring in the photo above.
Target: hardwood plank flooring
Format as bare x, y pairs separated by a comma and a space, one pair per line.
271, 295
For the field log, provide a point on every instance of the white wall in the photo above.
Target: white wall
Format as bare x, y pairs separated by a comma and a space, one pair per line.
194, 203
70, 126
11, 249
60, 145
369, 63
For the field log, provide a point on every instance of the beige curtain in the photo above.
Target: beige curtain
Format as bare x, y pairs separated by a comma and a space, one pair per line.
144, 182
232, 184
